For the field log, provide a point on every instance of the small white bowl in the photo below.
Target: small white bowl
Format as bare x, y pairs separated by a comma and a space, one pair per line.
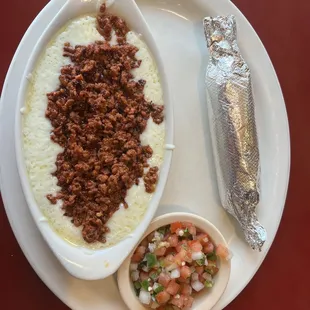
205, 300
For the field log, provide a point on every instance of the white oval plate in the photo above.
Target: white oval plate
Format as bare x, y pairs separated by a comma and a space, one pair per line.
176, 25
83, 263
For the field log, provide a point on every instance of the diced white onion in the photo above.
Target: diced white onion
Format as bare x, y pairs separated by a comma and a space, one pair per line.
175, 274
206, 262
181, 232
155, 286
171, 267
145, 269
197, 255
135, 275
197, 286
158, 236
230, 255
190, 290
133, 267
145, 297
163, 244
152, 247
207, 276
195, 276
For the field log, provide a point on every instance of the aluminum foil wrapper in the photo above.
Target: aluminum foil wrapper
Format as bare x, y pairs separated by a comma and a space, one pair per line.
232, 124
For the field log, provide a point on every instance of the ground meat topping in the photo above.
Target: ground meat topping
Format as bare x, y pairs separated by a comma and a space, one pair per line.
150, 179
107, 23
98, 114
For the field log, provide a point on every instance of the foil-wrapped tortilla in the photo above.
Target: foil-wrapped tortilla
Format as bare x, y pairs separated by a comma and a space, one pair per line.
232, 124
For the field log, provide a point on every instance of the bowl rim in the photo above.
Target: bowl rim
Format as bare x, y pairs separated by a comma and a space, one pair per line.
80, 262
123, 278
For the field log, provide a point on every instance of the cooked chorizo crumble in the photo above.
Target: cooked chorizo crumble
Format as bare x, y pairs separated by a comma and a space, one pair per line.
98, 114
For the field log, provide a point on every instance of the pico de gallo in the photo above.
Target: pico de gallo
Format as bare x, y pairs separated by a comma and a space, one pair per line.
174, 263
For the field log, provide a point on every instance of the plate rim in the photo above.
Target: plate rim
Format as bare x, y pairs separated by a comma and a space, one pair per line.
226, 4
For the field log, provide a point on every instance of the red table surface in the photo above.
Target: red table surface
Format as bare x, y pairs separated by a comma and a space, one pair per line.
282, 282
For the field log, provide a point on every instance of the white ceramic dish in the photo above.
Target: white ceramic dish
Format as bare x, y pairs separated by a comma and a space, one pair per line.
81, 262
206, 299
192, 179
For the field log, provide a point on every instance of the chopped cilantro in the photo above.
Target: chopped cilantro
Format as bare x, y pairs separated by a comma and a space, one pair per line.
212, 256
151, 260
137, 285
145, 285
184, 246
163, 230
200, 262
154, 274
208, 284
142, 264
212, 270
159, 289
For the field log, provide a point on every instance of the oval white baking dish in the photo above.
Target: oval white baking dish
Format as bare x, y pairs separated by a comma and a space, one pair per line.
82, 262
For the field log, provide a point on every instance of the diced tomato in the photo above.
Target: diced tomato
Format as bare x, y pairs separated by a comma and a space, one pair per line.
161, 251
222, 251
203, 238
170, 251
145, 243
187, 224
143, 275
185, 272
164, 279
173, 288
209, 248
201, 279
188, 257
182, 280
178, 302
169, 260
150, 237
136, 258
180, 257
177, 232
195, 245
213, 270
186, 289
200, 270
173, 240
141, 250
181, 245
188, 301
175, 226
183, 255
162, 297
192, 230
